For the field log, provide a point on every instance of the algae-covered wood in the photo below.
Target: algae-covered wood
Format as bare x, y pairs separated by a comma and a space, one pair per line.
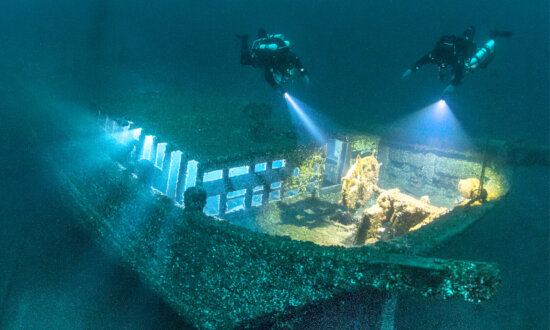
210, 128
216, 274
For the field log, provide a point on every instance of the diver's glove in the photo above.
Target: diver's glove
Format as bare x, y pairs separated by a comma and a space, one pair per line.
406, 74
280, 89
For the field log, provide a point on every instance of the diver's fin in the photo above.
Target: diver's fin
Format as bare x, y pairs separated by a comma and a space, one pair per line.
500, 34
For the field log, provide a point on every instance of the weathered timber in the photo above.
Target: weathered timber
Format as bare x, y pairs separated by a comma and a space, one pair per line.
218, 275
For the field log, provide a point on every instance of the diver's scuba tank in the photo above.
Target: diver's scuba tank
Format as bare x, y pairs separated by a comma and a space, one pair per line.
273, 42
483, 56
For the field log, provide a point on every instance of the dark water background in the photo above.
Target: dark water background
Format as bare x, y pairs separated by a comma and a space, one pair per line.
52, 275
355, 52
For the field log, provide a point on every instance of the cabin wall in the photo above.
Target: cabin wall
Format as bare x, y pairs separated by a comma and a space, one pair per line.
423, 173
241, 185
230, 187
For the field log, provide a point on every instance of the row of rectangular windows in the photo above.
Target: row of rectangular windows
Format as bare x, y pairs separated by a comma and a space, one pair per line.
235, 199
236, 202
242, 170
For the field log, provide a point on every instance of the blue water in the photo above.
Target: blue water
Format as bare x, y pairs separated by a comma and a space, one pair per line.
53, 275
355, 53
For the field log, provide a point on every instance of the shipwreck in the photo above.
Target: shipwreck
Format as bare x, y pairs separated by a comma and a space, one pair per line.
249, 232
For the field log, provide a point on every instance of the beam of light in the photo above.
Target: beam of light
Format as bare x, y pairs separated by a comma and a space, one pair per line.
304, 118
434, 125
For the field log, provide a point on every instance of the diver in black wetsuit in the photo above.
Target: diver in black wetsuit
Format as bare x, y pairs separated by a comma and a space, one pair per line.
451, 54
272, 53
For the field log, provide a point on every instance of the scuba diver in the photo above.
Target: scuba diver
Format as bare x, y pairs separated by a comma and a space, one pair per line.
454, 55
272, 53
